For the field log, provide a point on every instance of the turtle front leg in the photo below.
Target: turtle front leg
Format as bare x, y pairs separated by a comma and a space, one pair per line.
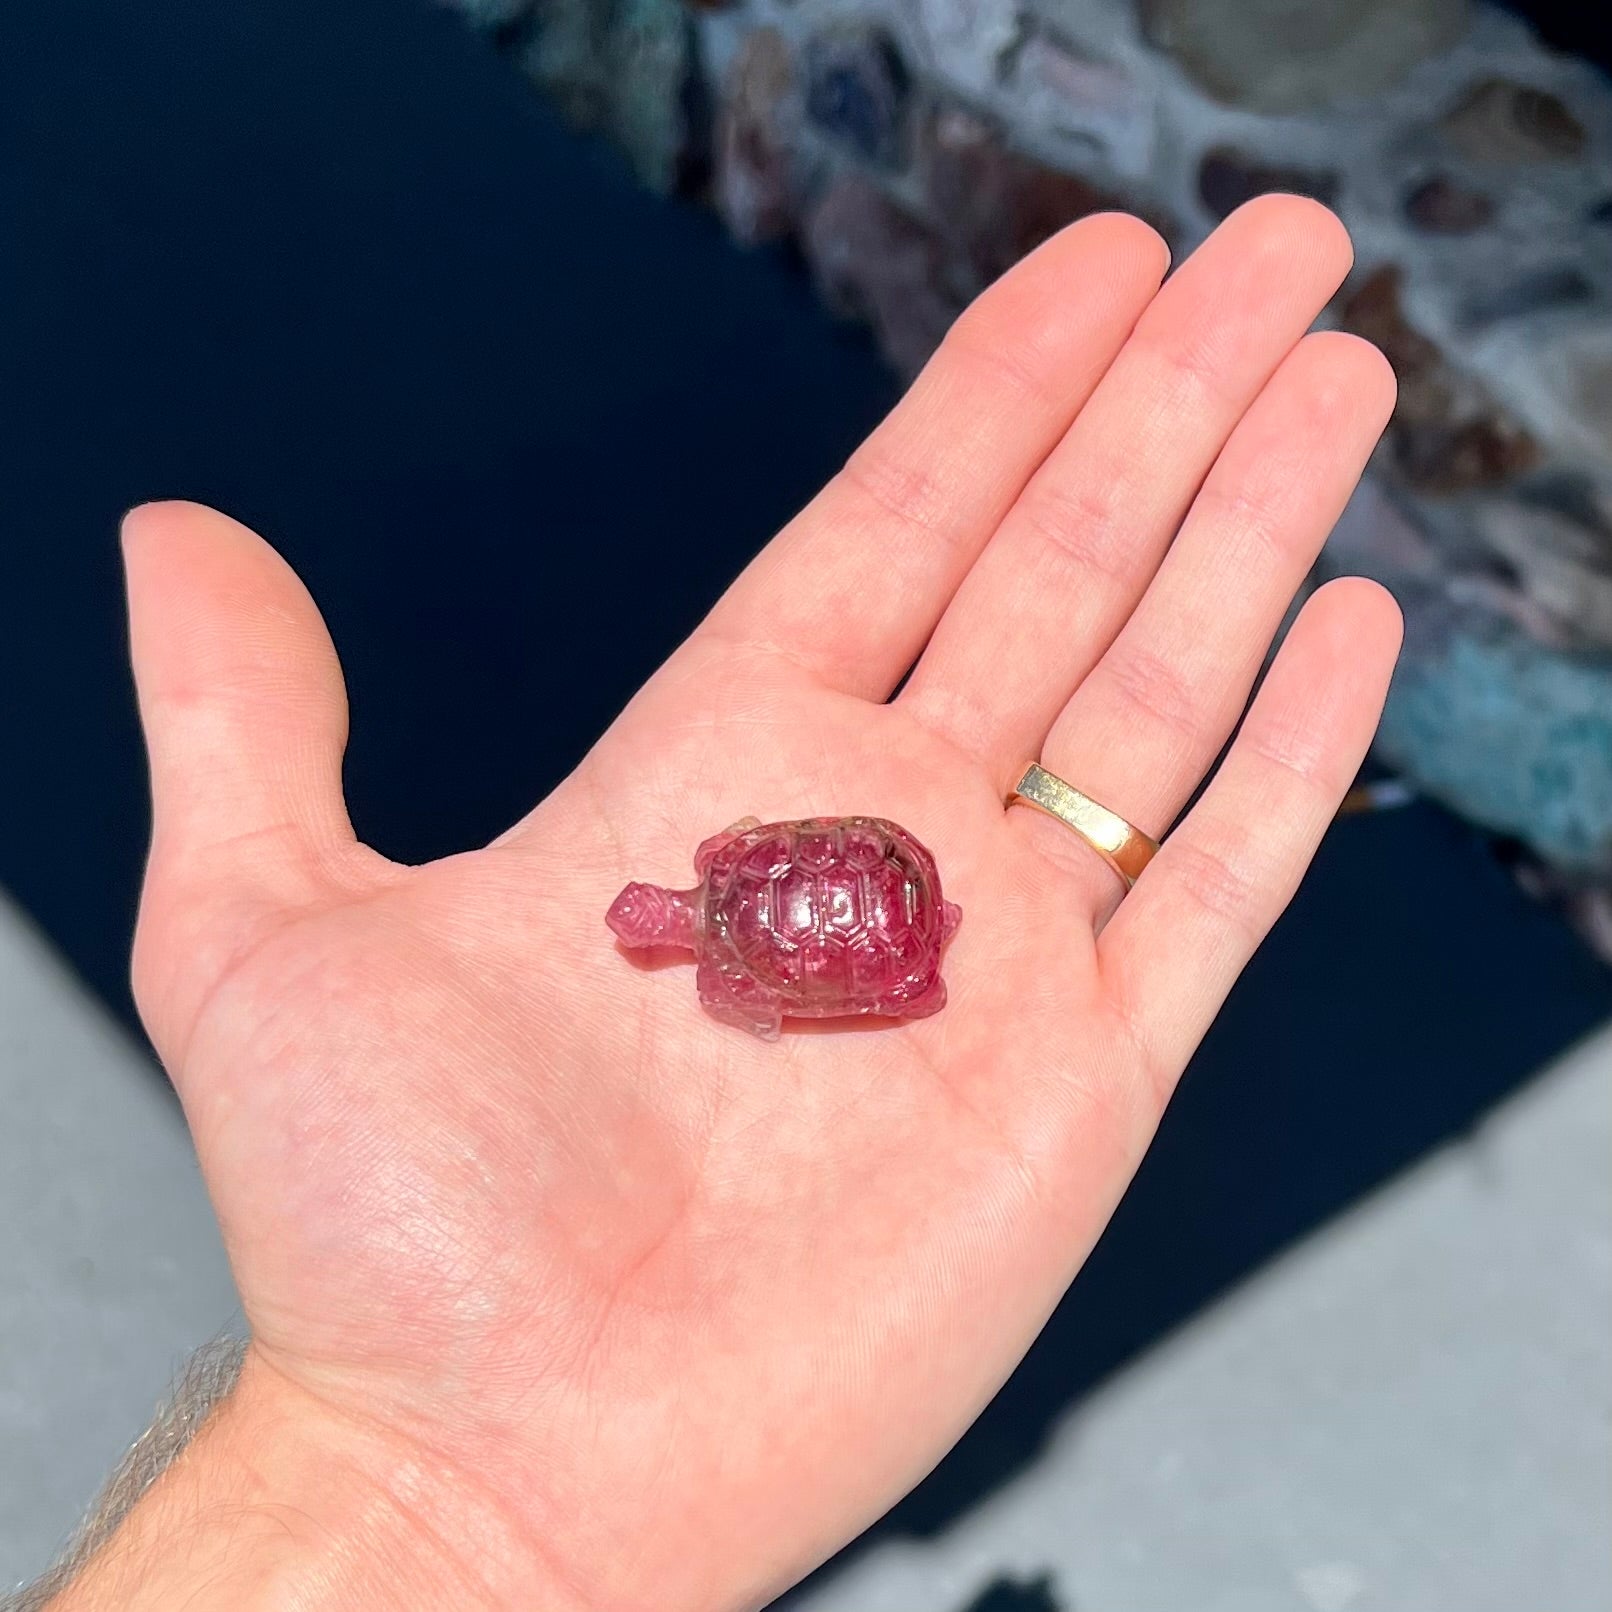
706, 851
752, 1010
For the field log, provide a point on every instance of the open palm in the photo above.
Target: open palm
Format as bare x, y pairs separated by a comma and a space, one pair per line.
684, 1310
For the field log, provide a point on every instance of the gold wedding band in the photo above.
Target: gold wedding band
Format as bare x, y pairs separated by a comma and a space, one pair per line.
1123, 846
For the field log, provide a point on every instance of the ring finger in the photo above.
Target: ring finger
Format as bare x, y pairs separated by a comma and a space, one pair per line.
1145, 726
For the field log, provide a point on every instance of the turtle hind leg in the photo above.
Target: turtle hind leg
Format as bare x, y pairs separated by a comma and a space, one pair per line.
752, 1010
706, 851
929, 1000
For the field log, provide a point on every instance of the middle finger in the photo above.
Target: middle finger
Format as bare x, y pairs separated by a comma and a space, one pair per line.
1069, 562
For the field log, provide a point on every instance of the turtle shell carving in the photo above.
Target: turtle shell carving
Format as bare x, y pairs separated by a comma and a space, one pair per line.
815, 918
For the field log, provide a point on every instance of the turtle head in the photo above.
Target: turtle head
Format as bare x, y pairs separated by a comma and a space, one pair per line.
647, 915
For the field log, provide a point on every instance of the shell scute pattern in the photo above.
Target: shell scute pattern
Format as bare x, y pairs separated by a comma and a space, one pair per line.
829, 909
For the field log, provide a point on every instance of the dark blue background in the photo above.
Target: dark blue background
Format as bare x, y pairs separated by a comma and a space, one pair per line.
335, 269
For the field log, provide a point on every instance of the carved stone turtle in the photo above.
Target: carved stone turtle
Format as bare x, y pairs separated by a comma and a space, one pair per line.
813, 919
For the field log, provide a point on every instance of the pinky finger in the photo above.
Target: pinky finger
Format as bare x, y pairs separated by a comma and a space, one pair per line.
1174, 949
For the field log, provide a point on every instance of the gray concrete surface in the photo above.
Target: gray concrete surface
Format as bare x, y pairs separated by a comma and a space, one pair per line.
1411, 1412
110, 1262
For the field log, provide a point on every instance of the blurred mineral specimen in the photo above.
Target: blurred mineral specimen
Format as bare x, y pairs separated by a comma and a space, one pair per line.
857, 89
1228, 177
1492, 710
1560, 285
1502, 122
620, 66
756, 134
1517, 737
1447, 436
1288, 55
1444, 206
1560, 554
1090, 106
994, 202
964, 43
1560, 376
875, 261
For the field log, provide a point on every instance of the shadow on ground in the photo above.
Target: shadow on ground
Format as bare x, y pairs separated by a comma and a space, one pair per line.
335, 270
1019, 1595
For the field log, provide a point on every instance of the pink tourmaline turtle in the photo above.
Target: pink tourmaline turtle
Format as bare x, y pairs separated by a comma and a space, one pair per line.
815, 919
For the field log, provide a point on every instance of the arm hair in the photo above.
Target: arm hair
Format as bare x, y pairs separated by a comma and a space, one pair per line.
204, 1382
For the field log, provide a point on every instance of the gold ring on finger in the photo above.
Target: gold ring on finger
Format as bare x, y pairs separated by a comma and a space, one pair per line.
1123, 846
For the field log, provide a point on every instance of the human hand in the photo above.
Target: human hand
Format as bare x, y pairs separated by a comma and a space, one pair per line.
596, 1302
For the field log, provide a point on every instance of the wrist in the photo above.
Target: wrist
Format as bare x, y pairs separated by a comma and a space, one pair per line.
282, 1501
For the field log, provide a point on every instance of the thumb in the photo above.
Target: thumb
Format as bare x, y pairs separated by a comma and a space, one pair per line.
245, 719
